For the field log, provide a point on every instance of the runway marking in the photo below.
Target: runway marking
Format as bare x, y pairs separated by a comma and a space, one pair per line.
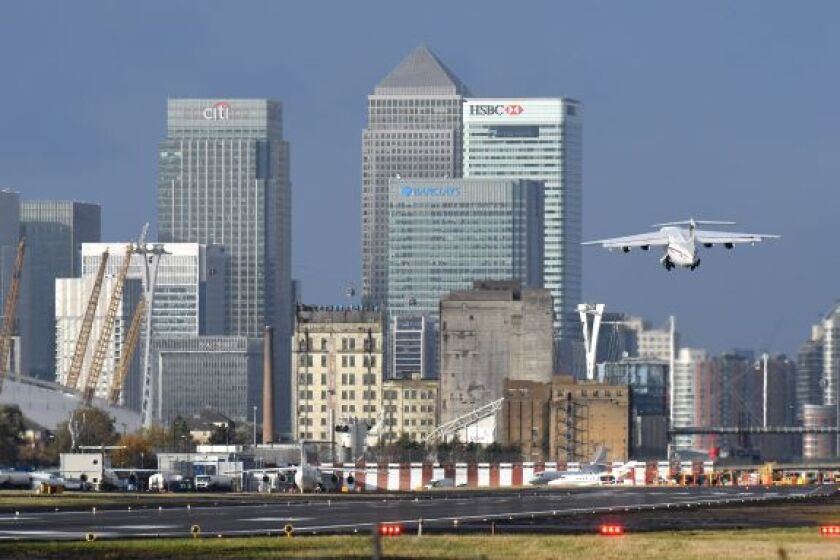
275, 519
142, 527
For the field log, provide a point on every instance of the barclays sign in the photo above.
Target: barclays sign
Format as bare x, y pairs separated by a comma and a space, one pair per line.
430, 191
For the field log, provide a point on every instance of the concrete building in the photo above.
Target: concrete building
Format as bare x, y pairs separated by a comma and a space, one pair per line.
413, 130
192, 373
444, 234
492, 332
410, 408
337, 363
188, 301
224, 179
538, 139
54, 232
412, 347
566, 420
9, 237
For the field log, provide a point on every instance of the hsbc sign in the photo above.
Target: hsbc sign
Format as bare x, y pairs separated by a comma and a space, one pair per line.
500, 110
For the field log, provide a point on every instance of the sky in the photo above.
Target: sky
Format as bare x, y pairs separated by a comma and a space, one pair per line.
712, 110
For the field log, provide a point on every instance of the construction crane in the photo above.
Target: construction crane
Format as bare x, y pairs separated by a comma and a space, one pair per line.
104, 340
87, 324
129, 346
9, 311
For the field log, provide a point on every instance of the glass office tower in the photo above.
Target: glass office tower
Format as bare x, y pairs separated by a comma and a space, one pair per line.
414, 130
540, 139
446, 234
224, 179
54, 232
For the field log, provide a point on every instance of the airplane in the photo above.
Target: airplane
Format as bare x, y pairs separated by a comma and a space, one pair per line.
307, 477
680, 241
594, 473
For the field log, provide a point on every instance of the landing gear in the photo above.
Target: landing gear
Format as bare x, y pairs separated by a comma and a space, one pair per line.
695, 265
666, 262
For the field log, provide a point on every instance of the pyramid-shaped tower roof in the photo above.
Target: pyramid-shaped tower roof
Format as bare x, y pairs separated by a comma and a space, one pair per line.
421, 72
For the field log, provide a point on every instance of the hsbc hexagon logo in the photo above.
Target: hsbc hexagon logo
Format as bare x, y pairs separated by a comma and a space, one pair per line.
500, 110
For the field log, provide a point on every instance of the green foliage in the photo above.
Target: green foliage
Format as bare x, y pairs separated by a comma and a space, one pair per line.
11, 434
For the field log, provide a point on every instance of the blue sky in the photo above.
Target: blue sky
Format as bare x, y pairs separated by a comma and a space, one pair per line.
717, 110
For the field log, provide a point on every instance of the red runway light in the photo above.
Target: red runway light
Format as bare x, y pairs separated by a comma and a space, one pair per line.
830, 530
390, 530
612, 530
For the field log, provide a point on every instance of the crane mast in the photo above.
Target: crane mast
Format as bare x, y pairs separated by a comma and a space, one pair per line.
9, 311
107, 328
129, 346
87, 324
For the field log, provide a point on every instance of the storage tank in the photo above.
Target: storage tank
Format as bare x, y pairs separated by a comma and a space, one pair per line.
818, 446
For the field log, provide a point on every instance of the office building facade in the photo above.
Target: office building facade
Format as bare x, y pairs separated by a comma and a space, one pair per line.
538, 139
54, 232
413, 130
446, 234
192, 373
188, 302
412, 347
409, 405
224, 179
337, 364
9, 237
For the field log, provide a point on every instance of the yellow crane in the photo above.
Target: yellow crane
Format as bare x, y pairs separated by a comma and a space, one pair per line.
104, 340
130, 344
87, 324
9, 311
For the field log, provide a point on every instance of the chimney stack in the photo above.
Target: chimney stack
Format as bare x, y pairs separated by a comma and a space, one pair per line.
268, 386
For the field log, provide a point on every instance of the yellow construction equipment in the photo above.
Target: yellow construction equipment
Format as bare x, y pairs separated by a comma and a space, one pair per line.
87, 324
130, 344
104, 340
9, 311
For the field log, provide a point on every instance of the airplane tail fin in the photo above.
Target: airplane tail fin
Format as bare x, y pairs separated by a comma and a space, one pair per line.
693, 222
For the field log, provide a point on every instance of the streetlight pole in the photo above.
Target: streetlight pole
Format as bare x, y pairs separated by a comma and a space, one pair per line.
764, 358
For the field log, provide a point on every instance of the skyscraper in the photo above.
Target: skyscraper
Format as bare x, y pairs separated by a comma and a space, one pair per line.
54, 232
539, 139
414, 130
224, 179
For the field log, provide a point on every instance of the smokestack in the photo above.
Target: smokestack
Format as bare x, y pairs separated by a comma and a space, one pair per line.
268, 386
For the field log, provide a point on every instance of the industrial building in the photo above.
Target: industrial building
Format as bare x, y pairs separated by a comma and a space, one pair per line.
495, 331
566, 420
337, 367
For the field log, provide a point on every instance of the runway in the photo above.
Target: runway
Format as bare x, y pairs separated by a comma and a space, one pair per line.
337, 515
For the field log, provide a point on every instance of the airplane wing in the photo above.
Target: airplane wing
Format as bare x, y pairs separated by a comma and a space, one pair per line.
655, 239
723, 237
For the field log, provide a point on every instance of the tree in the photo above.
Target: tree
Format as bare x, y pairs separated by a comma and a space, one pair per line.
11, 433
137, 453
182, 440
221, 435
87, 426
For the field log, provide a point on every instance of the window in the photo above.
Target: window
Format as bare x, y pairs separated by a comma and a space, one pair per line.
323, 361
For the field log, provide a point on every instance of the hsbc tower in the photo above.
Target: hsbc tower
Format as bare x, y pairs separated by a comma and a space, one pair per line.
538, 139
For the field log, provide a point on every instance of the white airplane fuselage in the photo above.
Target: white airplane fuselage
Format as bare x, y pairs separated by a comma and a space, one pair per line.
584, 479
681, 249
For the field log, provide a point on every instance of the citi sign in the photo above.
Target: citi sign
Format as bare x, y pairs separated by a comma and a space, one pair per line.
218, 112
510, 110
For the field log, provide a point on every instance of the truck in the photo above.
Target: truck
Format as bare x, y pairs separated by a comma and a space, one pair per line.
213, 483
